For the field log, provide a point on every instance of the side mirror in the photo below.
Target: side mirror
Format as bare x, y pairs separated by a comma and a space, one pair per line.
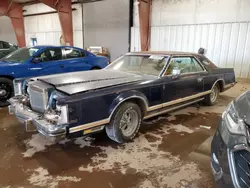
176, 72
36, 60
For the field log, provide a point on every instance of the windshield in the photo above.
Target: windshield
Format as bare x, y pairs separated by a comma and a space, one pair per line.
21, 55
137, 64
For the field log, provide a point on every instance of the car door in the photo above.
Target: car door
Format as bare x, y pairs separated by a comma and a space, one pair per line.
187, 83
75, 60
49, 61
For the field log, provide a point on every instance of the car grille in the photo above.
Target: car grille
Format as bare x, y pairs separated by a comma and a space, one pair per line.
242, 165
38, 93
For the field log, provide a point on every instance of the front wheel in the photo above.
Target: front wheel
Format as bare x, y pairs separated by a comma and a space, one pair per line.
6, 91
213, 96
125, 123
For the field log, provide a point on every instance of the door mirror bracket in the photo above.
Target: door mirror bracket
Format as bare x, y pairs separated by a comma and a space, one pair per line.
176, 71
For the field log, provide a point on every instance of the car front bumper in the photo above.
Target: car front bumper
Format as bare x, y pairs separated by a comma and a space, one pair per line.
35, 122
230, 165
220, 163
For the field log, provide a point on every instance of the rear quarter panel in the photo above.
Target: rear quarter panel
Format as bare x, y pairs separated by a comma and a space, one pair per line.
98, 61
226, 75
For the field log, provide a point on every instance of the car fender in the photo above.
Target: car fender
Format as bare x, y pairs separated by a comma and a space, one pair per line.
125, 96
219, 80
99, 61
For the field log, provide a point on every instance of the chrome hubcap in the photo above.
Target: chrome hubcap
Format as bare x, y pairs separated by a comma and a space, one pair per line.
129, 122
3, 92
214, 94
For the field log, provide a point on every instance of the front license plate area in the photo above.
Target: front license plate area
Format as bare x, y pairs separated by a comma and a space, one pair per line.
30, 127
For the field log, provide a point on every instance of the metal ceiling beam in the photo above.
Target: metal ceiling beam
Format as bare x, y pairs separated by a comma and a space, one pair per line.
15, 12
64, 10
144, 7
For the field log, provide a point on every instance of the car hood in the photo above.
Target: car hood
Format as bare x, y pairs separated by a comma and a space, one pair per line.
72, 83
242, 106
4, 63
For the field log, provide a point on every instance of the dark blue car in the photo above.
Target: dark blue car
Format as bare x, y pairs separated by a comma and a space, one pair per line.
137, 86
44, 60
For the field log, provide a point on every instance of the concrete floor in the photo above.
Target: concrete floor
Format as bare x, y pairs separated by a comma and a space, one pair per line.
170, 151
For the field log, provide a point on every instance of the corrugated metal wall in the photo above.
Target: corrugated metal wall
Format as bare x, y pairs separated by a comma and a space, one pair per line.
106, 23
227, 43
47, 28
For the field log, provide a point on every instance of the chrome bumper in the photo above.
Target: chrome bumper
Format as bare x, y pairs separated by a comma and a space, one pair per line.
34, 122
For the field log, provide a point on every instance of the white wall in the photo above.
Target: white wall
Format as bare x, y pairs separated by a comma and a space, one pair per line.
107, 24
179, 12
6, 31
47, 28
220, 26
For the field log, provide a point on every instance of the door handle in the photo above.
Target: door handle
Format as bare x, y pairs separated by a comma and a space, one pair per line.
199, 79
61, 65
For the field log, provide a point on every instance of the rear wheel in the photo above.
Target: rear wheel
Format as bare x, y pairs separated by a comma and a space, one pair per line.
125, 123
6, 91
213, 96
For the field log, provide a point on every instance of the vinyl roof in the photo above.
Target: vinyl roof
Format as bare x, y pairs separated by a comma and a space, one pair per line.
163, 53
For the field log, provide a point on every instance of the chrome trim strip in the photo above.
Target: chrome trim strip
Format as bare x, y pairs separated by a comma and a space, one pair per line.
218, 81
133, 97
107, 120
229, 85
171, 109
151, 108
88, 125
146, 54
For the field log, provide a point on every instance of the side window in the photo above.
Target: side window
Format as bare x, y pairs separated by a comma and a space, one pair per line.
206, 62
197, 65
52, 54
184, 65
5, 45
72, 53
1, 45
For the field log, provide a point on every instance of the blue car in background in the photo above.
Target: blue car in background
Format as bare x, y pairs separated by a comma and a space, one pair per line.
44, 60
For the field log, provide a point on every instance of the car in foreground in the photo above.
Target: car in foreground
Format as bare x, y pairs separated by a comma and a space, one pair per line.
230, 151
6, 48
136, 86
43, 60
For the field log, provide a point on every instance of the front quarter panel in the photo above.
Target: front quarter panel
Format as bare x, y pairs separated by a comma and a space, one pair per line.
14, 70
127, 95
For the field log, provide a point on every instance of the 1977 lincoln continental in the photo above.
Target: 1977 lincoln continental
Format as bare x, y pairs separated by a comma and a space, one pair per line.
136, 86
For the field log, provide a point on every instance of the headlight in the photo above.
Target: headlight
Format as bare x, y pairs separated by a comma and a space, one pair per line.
63, 117
232, 128
58, 114
234, 123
